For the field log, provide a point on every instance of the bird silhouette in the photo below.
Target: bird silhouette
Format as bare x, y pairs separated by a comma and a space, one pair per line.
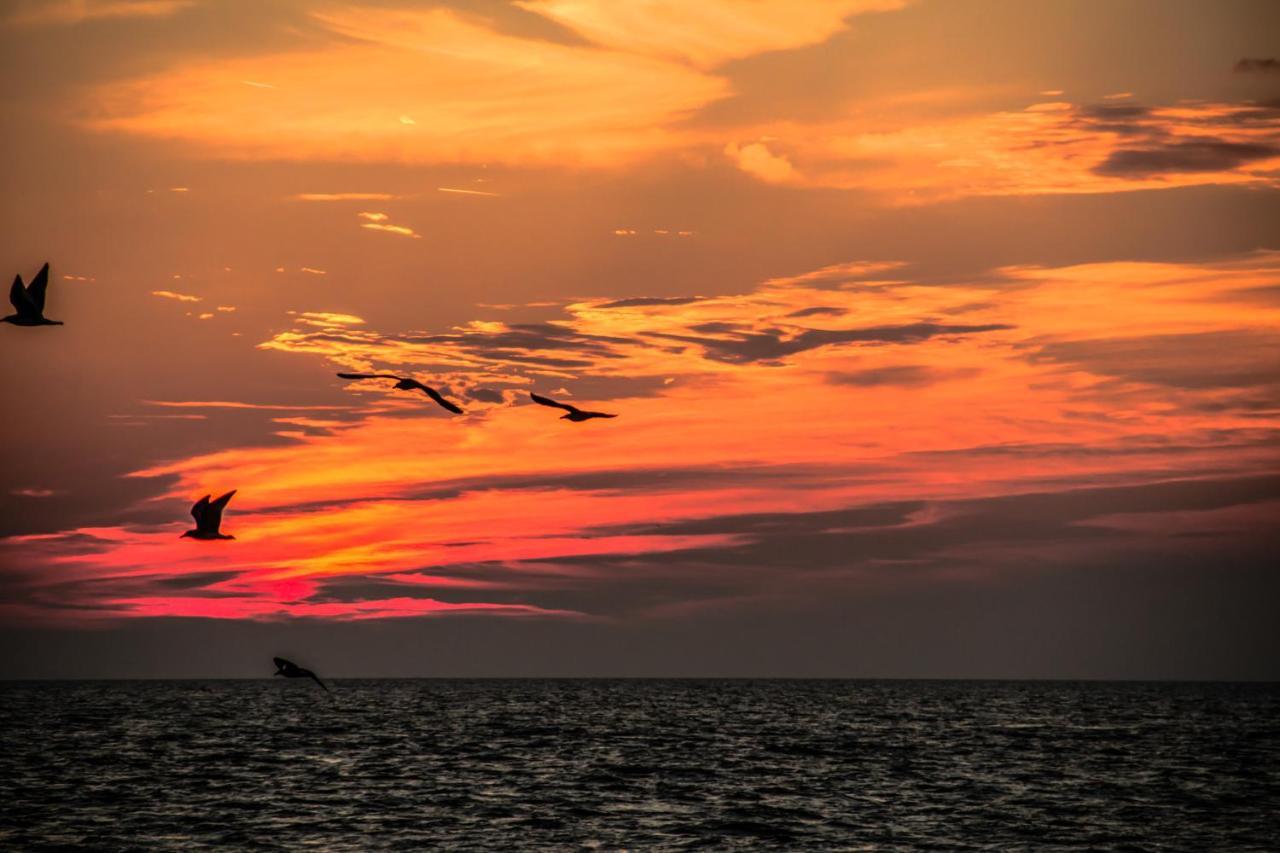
289, 669
404, 383
28, 301
575, 414
208, 516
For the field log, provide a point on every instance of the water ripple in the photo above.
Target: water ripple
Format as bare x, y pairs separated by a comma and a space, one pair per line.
639, 764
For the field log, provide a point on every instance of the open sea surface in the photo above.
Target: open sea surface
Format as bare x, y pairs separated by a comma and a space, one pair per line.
639, 764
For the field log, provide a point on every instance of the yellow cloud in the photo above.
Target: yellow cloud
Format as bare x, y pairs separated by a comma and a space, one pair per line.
476, 95
755, 158
464, 192
378, 222
344, 196
1049, 147
706, 33
181, 297
392, 229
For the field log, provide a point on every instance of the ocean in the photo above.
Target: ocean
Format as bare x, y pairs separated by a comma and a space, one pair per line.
639, 765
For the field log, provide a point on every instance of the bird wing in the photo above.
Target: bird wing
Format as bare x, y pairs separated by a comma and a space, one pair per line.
198, 511
36, 289
546, 401
213, 514
368, 376
600, 415
19, 299
435, 395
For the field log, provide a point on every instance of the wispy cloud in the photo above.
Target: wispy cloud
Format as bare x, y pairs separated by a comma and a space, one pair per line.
708, 33
377, 221
402, 230
64, 12
346, 99
1270, 65
233, 404
1046, 148
345, 196
180, 297
464, 192
809, 433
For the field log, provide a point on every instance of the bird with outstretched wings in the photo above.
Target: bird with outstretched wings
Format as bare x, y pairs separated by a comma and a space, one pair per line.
28, 301
405, 383
208, 516
575, 414
289, 669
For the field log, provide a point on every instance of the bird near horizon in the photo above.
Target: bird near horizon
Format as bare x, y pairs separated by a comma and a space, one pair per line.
28, 301
208, 516
289, 669
405, 383
575, 414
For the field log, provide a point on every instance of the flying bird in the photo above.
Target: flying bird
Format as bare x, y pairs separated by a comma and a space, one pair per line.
289, 669
575, 414
404, 383
28, 301
208, 516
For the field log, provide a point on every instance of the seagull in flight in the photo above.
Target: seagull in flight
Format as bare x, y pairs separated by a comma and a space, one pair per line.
575, 414
28, 301
208, 516
289, 669
404, 383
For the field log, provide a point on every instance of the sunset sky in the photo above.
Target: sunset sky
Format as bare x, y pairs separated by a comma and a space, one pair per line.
944, 337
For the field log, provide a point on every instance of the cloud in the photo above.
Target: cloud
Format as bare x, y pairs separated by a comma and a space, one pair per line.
1223, 359
1046, 148
907, 375
486, 96
233, 404
465, 192
756, 159
329, 319
772, 344
818, 311
180, 297
1203, 155
809, 455
486, 395
69, 12
642, 301
402, 230
377, 221
708, 33
1270, 65
345, 196
435, 85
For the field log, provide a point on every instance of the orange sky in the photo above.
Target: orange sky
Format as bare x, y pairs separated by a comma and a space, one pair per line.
891, 299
